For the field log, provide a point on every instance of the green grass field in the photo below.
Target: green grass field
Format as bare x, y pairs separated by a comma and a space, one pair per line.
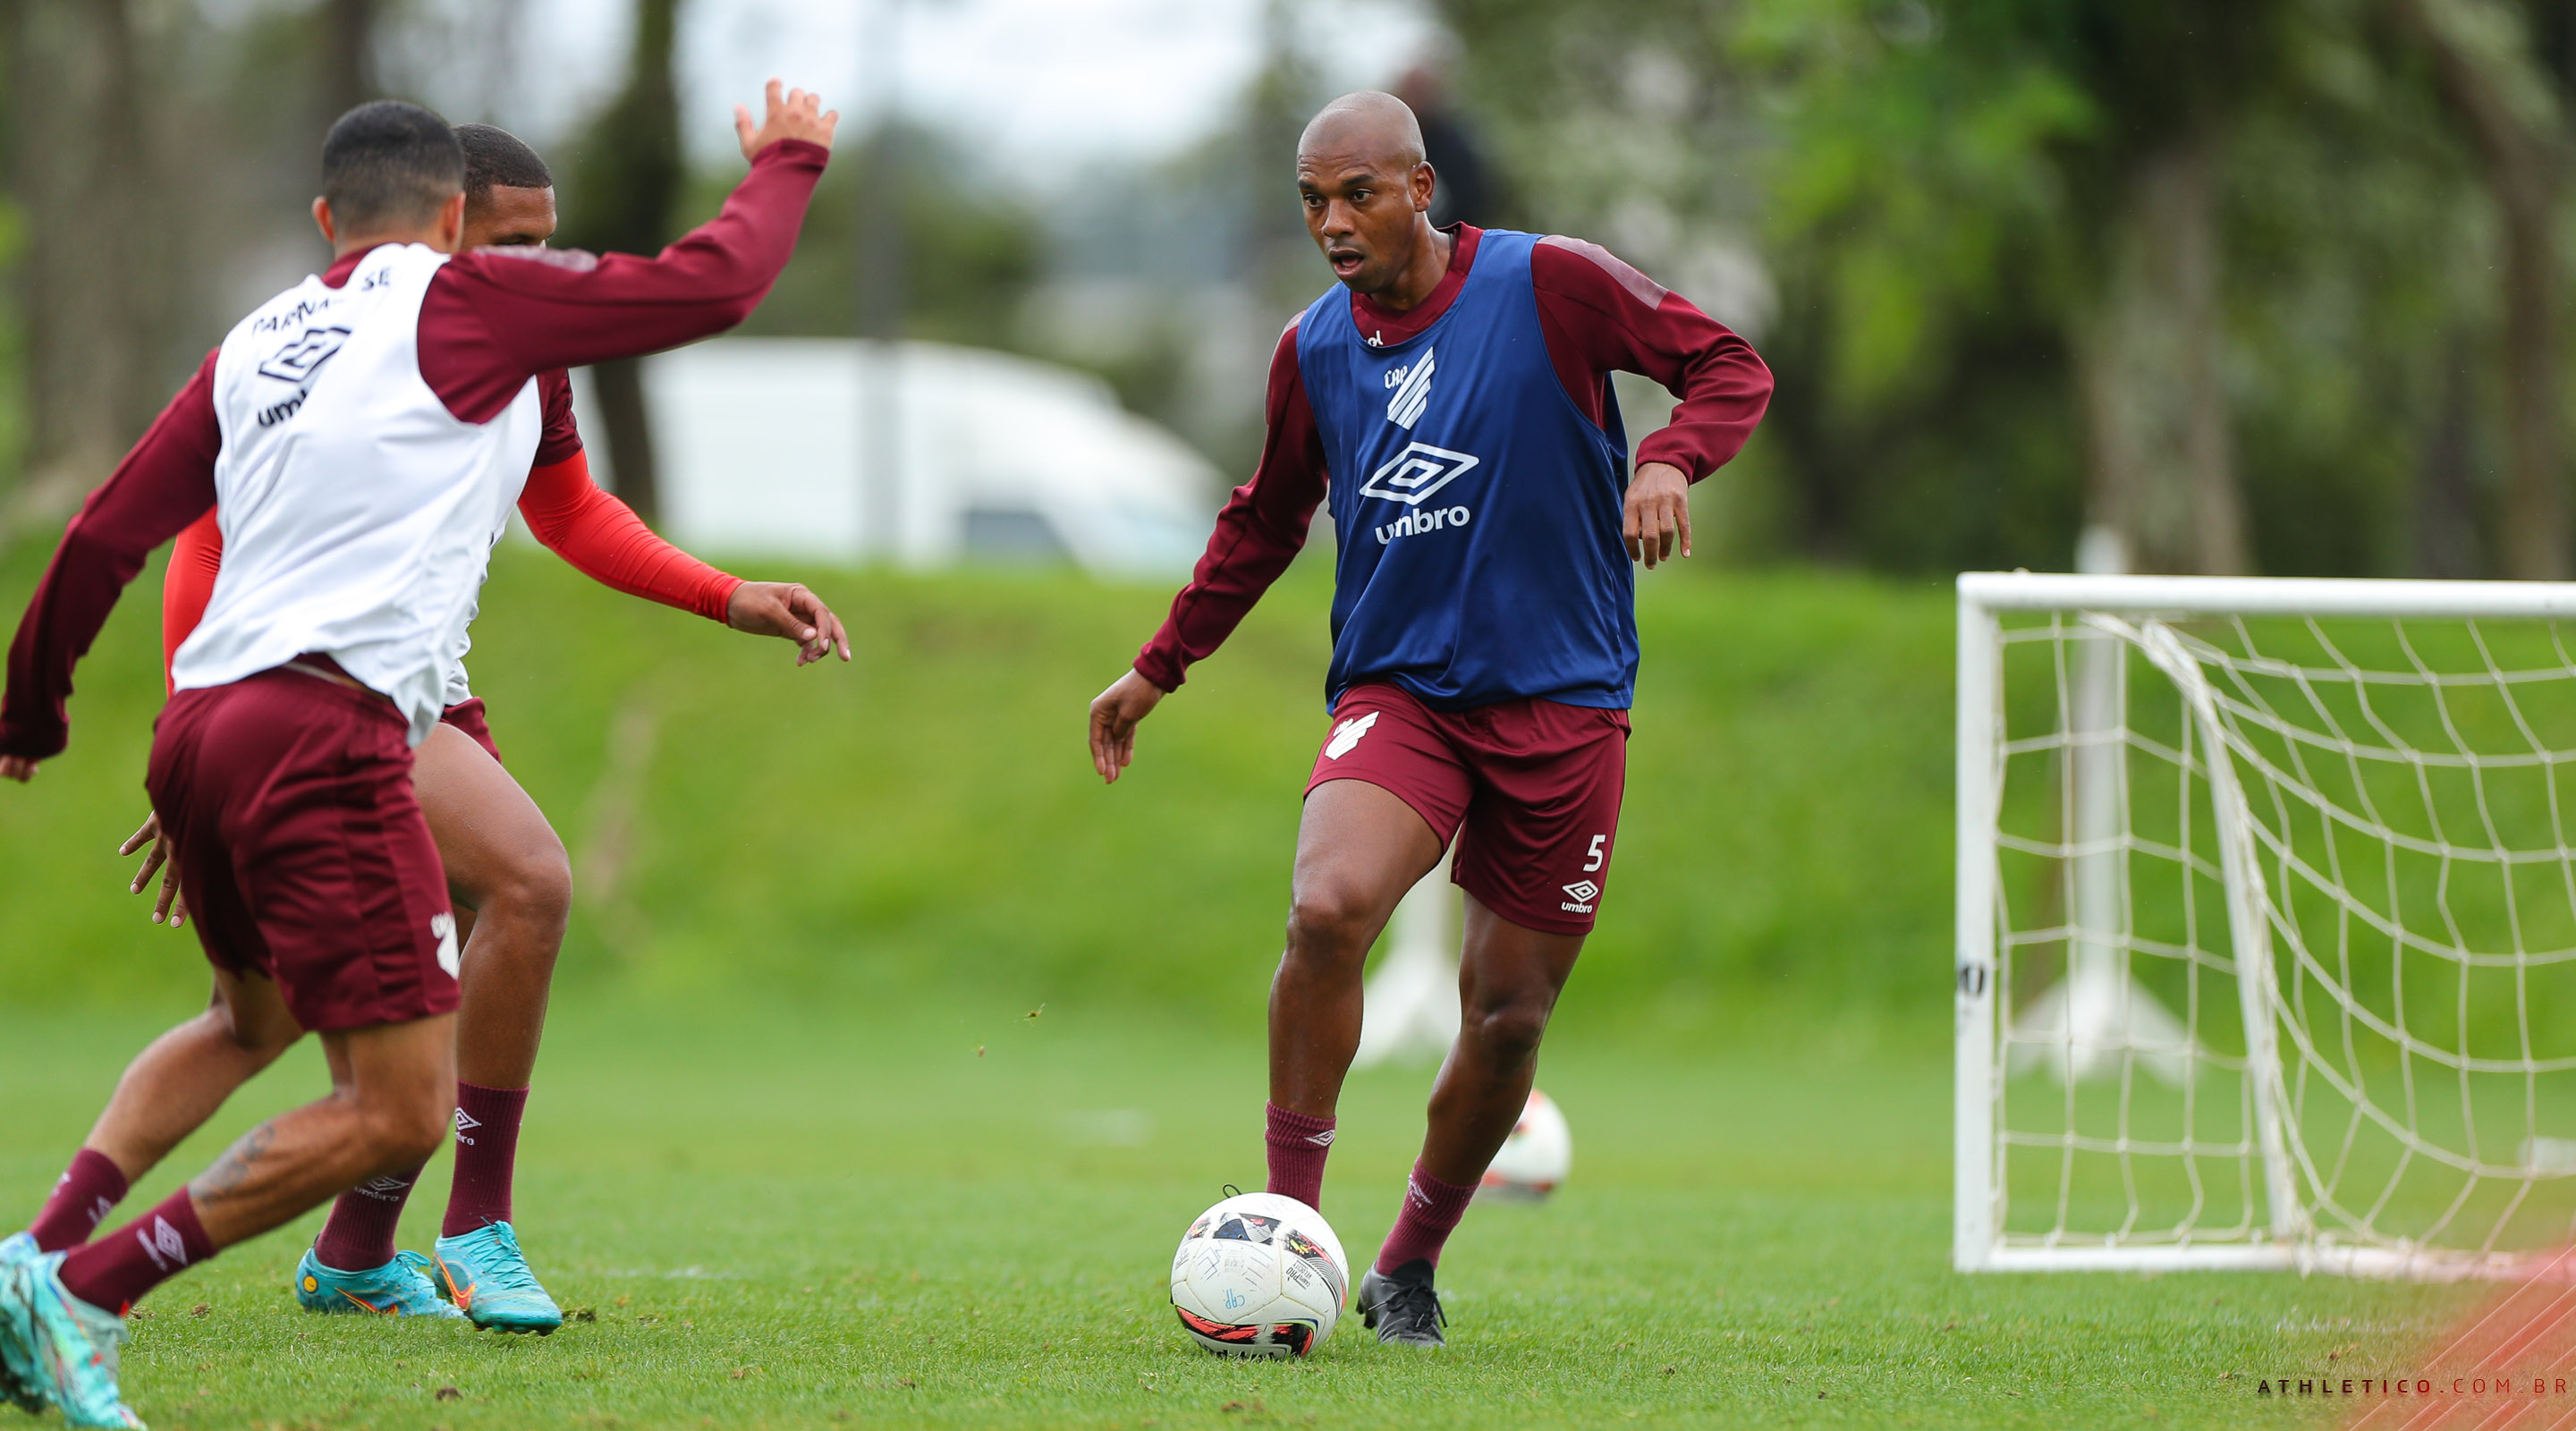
800, 1150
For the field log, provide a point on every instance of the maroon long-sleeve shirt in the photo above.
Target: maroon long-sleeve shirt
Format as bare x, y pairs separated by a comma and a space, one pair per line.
490, 321
1599, 316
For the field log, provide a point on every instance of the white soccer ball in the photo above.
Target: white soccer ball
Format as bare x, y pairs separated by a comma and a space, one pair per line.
1535, 1158
1260, 1275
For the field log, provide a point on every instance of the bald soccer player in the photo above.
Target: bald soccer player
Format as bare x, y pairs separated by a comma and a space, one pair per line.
1451, 399
361, 433
505, 869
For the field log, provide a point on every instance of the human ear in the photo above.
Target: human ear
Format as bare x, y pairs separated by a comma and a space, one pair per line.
322, 220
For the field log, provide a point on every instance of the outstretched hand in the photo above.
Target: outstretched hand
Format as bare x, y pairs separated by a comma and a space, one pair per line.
784, 608
798, 115
169, 907
1658, 514
1114, 713
18, 768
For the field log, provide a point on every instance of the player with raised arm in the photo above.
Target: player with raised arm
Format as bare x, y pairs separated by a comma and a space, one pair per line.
505, 869
1451, 399
362, 434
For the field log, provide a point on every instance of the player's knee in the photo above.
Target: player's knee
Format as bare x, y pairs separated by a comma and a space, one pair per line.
1509, 1030
537, 885
1329, 924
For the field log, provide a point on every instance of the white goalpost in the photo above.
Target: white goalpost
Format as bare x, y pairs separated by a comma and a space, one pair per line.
2266, 924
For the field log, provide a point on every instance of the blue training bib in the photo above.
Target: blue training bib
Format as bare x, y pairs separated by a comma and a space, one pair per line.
1476, 508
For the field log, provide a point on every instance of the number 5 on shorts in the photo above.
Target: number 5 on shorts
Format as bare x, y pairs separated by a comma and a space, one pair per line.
1596, 854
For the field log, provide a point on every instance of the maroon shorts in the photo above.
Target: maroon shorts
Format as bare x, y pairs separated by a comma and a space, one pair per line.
1535, 784
301, 851
467, 717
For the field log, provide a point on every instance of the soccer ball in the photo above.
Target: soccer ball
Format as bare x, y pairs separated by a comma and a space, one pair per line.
1260, 1275
1535, 1158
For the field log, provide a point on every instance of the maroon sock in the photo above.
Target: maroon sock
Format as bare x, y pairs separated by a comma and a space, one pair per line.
114, 1271
1298, 1146
360, 1232
89, 1190
487, 1149
1431, 1209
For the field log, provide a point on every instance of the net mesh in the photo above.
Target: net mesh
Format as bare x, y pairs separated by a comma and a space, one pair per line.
2286, 935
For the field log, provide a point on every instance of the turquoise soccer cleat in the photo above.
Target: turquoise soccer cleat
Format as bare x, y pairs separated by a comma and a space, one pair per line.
17, 1365
486, 1275
71, 1345
400, 1288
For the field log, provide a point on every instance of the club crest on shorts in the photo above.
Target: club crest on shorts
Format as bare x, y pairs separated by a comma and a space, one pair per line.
1348, 734
443, 926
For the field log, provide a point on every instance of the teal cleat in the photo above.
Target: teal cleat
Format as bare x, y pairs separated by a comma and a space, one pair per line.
400, 1288
486, 1275
72, 1345
17, 1365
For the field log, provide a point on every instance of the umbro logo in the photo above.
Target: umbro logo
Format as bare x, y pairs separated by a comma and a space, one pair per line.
1323, 1139
168, 1251
387, 1188
1579, 896
1419, 470
464, 1122
1348, 734
1412, 392
299, 360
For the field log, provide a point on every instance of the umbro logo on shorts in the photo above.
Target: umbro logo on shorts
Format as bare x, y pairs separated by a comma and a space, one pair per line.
1580, 896
1348, 734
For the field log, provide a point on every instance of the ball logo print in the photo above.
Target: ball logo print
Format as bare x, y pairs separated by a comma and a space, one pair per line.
1412, 392
1348, 734
1411, 476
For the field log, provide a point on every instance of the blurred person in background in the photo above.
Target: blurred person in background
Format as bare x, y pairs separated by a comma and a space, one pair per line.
1451, 398
506, 869
1471, 190
363, 432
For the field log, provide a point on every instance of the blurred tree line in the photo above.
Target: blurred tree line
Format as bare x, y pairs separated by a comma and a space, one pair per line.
157, 158
2269, 285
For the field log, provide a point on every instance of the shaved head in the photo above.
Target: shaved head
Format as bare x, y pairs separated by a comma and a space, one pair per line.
1366, 125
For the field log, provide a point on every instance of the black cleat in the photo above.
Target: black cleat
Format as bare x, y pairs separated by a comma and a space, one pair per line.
1402, 1306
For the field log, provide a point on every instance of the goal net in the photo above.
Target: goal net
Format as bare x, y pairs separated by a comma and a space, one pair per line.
2266, 924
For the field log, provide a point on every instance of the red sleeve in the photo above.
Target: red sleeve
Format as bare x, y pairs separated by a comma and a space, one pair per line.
1601, 316
496, 317
1257, 535
605, 541
165, 483
188, 585
561, 440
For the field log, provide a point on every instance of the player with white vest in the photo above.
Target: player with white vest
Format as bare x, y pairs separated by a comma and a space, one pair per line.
366, 433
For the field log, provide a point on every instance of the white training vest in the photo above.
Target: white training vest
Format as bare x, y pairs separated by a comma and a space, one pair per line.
358, 513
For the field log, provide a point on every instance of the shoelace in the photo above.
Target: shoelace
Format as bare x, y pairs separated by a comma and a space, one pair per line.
511, 1274
1407, 1302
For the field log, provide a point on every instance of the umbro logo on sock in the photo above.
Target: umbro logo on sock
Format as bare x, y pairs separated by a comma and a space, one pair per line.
1323, 1139
163, 1245
384, 1189
1413, 1194
464, 1121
